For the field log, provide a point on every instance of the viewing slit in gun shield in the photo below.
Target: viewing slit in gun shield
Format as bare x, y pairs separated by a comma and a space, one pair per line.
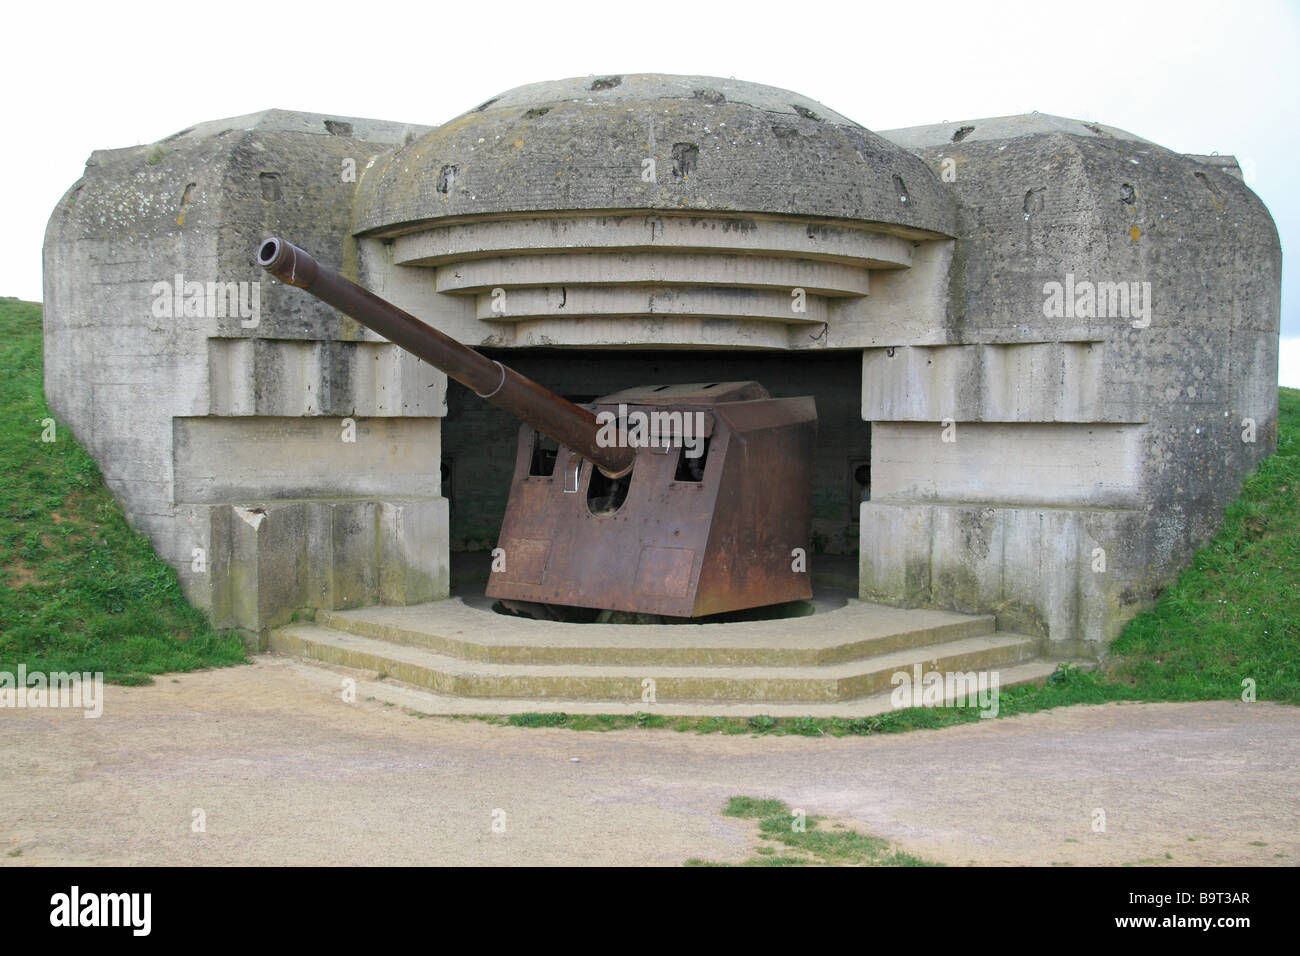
556, 417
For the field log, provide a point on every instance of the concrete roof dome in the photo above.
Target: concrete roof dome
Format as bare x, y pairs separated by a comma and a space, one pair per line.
717, 145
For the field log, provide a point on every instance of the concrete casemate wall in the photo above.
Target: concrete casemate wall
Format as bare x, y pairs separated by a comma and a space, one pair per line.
1094, 447
1068, 334
212, 401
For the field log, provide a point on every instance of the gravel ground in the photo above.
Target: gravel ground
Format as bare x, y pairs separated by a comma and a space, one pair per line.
281, 771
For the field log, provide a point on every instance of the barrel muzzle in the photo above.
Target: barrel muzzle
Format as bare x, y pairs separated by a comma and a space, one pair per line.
288, 263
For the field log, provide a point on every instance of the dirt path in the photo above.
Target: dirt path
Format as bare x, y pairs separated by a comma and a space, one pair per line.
285, 772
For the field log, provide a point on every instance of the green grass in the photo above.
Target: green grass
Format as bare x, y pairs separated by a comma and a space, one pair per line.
801, 840
79, 589
1232, 616
1234, 613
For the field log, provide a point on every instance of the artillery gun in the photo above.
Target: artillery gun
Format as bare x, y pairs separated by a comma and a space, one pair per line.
675, 500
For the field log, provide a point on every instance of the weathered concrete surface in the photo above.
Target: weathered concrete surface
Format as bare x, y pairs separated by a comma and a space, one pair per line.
286, 773
1189, 381
158, 394
718, 145
849, 655
421, 700
701, 192
1093, 450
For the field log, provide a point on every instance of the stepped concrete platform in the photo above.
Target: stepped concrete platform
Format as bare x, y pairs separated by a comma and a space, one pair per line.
453, 657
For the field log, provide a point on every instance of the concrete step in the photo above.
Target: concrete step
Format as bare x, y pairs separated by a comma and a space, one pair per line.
445, 674
420, 700
856, 631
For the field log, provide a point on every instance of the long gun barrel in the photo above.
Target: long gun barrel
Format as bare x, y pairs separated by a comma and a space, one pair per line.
575, 428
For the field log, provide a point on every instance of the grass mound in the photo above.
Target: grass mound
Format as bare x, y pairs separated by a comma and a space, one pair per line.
79, 589
1234, 613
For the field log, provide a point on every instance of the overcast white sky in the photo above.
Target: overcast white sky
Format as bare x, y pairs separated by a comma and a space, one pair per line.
1196, 77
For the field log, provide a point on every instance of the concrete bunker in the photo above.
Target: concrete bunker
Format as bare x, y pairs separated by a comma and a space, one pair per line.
1091, 450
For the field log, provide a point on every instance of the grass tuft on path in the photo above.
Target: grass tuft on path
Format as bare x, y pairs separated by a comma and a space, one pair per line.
793, 838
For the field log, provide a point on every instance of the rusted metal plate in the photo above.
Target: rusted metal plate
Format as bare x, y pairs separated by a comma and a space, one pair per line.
674, 546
